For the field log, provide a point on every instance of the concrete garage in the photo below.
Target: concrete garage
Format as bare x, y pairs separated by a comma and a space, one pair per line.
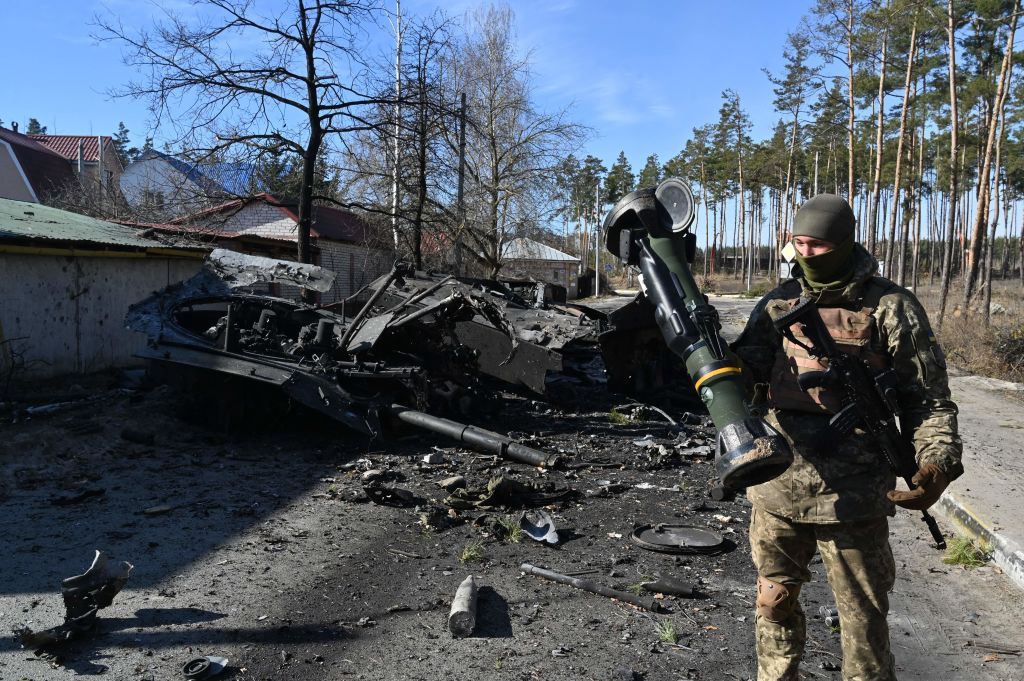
66, 281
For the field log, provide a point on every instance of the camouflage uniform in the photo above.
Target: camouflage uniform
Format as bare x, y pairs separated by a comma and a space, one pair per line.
834, 501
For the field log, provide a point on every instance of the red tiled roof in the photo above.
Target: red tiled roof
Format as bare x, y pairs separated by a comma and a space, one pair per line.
67, 145
45, 169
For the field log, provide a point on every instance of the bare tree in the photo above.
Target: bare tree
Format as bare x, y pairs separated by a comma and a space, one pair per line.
298, 80
513, 150
412, 150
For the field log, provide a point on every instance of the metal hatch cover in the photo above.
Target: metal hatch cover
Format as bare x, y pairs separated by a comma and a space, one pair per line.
668, 538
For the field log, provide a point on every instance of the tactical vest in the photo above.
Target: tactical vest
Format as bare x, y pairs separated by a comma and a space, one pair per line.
855, 333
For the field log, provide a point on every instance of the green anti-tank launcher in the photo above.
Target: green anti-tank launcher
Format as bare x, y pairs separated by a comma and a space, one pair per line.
650, 229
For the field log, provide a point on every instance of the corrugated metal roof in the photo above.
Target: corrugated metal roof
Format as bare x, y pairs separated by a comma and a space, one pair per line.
231, 178
21, 221
528, 249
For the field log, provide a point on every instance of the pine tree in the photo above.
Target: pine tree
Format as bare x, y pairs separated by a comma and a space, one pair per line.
620, 180
650, 176
127, 154
34, 128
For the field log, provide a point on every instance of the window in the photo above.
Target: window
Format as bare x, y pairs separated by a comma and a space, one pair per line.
556, 273
153, 199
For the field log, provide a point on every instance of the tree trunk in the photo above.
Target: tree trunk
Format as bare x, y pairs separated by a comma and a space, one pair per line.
978, 229
851, 183
872, 228
421, 186
987, 271
707, 221
398, 125
947, 256
890, 247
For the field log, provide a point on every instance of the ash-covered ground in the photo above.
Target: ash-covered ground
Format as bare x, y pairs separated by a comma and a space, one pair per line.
301, 552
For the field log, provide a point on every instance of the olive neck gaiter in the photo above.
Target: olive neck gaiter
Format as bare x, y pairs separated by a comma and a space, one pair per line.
829, 270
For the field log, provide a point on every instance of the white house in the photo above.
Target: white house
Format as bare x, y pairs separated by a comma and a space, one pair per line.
161, 182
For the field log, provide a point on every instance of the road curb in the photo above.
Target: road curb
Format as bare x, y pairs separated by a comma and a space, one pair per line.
1006, 553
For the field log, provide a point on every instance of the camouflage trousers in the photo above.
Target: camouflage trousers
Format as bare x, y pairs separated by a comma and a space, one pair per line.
861, 572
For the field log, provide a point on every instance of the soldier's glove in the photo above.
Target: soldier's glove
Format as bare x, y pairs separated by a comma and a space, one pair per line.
931, 483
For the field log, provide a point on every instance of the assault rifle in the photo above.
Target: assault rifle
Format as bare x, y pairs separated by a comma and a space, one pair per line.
869, 397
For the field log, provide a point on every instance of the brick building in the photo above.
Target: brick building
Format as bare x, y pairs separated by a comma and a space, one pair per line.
341, 240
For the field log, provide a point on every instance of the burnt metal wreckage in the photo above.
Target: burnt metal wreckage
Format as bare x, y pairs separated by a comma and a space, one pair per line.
413, 347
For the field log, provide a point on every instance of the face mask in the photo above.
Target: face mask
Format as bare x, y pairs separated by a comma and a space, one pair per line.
829, 270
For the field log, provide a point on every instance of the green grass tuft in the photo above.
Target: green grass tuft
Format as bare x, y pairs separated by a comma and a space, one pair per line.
618, 418
964, 552
510, 530
666, 630
472, 552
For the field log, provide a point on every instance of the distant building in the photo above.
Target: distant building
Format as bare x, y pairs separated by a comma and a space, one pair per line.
30, 171
341, 240
159, 182
528, 258
93, 160
67, 281
44, 168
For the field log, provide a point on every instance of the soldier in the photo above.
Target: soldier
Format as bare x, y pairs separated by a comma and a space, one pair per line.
836, 499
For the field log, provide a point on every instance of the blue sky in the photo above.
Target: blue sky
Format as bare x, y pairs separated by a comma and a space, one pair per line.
640, 77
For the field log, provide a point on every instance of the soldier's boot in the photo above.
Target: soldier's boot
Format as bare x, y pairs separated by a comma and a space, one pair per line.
780, 631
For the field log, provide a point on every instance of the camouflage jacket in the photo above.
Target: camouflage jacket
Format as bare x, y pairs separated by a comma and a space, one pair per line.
849, 481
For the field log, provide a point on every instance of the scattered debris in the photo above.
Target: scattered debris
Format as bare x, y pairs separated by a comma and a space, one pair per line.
462, 617
204, 667
593, 587
542, 529
479, 438
84, 596
391, 496
453, 483
671, 586
502, 491
667, 538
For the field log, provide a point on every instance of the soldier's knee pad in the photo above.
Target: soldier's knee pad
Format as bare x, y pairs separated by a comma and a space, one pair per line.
775, 602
